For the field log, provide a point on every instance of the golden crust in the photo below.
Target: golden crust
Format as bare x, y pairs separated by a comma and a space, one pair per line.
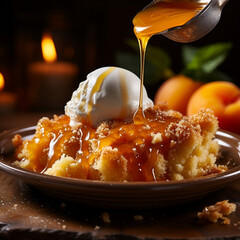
111, 165
17, 140
166, 146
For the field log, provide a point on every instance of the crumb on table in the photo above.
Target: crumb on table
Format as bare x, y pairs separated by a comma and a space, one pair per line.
138, 217
218, 211
106, 217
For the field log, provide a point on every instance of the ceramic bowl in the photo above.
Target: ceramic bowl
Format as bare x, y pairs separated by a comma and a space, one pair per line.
125, 194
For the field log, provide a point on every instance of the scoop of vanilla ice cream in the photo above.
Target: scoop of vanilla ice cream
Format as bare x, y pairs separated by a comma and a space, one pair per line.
107, 93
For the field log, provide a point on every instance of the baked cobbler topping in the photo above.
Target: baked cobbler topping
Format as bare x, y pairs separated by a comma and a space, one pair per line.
164, 146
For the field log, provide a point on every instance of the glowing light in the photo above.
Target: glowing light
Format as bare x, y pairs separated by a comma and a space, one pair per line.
48, 48
1, 82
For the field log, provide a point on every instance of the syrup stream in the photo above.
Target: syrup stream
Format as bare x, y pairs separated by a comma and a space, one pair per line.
139, 115
154, 20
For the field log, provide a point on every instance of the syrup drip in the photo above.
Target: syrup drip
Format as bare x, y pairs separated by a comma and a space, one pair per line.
154, 20
139, 115
55, 138
96, 88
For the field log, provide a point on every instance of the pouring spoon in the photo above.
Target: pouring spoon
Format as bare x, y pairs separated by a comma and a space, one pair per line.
198, 26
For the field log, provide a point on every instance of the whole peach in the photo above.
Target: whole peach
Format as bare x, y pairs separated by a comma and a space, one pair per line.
176, 91
223, 98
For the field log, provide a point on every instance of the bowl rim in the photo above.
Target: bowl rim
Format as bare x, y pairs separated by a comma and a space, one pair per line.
175, 184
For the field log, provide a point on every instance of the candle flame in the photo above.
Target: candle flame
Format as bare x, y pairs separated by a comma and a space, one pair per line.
1, 82
48, 48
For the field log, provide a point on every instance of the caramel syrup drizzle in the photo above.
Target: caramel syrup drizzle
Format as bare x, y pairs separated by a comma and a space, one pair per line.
154, 20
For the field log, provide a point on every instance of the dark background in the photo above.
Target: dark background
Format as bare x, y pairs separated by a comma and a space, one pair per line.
90, 34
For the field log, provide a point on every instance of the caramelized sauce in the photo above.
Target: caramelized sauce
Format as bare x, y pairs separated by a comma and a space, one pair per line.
134, 142
54, 138
164, 15
96, 88
139, 115
154, 20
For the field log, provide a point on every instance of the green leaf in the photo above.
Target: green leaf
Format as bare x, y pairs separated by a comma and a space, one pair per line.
188, 53
217, 75
133, 43
209, 57
155, 55
157, 64
128, 61
204, 77
131, 62
158, 57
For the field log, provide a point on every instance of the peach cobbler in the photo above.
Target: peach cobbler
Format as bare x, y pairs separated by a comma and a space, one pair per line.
160, 145
112, 132
165, 146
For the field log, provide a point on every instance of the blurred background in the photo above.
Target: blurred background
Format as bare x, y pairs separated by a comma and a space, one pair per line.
86, 35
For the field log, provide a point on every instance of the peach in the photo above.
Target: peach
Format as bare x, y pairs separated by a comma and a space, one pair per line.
176, 91
223, 98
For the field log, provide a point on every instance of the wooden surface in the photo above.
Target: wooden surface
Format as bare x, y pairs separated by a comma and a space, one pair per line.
25, 213
13, 120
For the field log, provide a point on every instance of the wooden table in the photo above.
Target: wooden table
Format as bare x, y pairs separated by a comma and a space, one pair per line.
25, 213
13, 120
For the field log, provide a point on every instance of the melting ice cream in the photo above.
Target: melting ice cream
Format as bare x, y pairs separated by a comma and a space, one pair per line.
107, 93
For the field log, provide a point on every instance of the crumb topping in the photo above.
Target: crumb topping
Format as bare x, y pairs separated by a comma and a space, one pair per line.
163, 146
17, 140
156, 138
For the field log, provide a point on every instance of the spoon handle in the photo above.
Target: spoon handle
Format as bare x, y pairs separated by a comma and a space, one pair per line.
222, 3
154, 2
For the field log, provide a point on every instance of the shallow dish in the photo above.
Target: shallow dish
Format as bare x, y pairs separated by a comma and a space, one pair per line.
126, 194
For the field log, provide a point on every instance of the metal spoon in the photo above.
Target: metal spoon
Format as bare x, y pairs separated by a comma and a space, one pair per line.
198, 26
